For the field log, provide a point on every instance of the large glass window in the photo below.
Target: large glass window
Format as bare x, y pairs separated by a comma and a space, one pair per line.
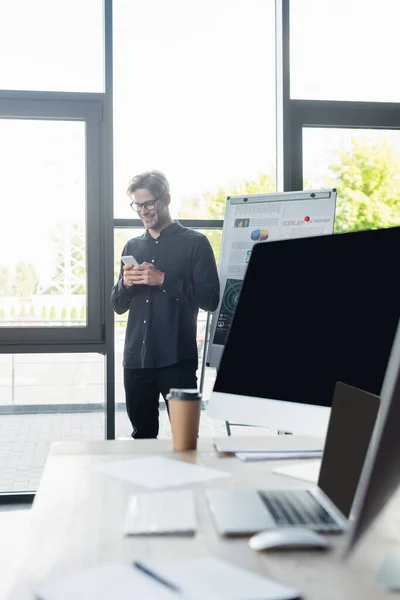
364, 166
194, 96
344, 50
51, 45
50, 230
43, 223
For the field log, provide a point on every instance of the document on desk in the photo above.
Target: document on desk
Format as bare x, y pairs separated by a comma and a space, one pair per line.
270, 443
212, 578
156, 472
254, 456
104, 582
306, 471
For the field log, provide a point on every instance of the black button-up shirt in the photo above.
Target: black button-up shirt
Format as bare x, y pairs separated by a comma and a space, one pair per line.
162, 321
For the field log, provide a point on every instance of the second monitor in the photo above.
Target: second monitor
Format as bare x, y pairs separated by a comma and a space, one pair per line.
311, 312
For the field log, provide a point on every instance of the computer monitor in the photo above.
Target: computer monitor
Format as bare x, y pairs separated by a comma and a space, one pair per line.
381, 474
312, 312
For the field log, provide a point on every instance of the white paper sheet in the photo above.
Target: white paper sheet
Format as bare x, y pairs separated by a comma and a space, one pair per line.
306, 471
214, 579
155, 472
104, 582
252, 456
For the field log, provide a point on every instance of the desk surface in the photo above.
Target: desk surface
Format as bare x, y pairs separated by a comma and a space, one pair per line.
78, 515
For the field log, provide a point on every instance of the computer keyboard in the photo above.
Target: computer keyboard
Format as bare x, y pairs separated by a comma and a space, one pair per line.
297, 507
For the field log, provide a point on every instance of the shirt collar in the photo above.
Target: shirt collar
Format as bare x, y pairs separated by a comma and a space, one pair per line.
168, 230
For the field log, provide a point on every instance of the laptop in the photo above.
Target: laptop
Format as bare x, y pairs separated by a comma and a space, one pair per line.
324, 507
380, 478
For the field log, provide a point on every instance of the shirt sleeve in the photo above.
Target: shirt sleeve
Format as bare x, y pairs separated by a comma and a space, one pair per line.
121, 295
202, 289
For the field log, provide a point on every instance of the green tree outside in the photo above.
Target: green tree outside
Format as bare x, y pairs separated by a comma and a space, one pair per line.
367, 177
25, 282
78, 254
5, 281
69, 243
64, 315
83, 313
215, 203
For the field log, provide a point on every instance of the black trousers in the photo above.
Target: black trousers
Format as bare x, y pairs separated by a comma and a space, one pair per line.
142, 392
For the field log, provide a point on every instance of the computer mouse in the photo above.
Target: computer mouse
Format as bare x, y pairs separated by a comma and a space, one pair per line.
290, 538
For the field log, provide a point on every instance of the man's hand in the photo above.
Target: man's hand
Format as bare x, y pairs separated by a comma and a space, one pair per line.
128, 280
145, 274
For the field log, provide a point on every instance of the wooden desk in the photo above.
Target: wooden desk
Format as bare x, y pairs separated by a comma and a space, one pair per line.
78, 515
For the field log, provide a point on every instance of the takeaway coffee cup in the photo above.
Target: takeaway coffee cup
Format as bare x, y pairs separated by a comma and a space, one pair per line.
184, 413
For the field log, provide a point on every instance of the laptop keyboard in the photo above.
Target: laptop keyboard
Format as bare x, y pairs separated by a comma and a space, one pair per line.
297, 507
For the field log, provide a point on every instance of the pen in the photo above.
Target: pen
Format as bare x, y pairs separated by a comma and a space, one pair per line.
141, 567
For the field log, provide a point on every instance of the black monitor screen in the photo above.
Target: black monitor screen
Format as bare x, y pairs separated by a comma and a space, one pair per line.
312, 312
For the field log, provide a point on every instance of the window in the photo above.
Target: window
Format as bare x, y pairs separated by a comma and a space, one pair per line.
43, 225
194, 96
344, 50
364, 165
51, 45
50, 237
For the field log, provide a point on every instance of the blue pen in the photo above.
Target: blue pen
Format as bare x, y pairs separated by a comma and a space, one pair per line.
141, 567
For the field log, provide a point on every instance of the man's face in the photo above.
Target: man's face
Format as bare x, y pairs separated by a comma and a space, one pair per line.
153, 214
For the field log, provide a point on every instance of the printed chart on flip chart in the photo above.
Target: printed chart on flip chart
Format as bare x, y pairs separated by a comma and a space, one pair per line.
261, 218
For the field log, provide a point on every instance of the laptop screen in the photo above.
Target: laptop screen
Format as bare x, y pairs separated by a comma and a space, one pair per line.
312, 312
349, 434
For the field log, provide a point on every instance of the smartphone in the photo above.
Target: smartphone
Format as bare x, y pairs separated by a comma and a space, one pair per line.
129, 260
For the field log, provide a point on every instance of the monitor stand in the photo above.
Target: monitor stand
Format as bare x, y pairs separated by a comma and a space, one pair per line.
388, 576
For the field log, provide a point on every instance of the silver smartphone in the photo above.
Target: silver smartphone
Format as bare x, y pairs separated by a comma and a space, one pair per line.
129, 260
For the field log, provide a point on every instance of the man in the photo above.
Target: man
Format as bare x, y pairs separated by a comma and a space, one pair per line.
176, 276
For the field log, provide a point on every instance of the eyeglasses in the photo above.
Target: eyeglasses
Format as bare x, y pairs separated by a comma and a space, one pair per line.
139, 206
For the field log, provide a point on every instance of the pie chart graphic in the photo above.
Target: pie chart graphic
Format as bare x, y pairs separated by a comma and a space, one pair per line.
259, 235
231, 295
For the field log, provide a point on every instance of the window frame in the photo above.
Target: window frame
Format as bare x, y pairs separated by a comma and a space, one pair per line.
297, 114
336, 115
63, 107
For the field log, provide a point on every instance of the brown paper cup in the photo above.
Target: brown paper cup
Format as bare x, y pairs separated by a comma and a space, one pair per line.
185, 419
